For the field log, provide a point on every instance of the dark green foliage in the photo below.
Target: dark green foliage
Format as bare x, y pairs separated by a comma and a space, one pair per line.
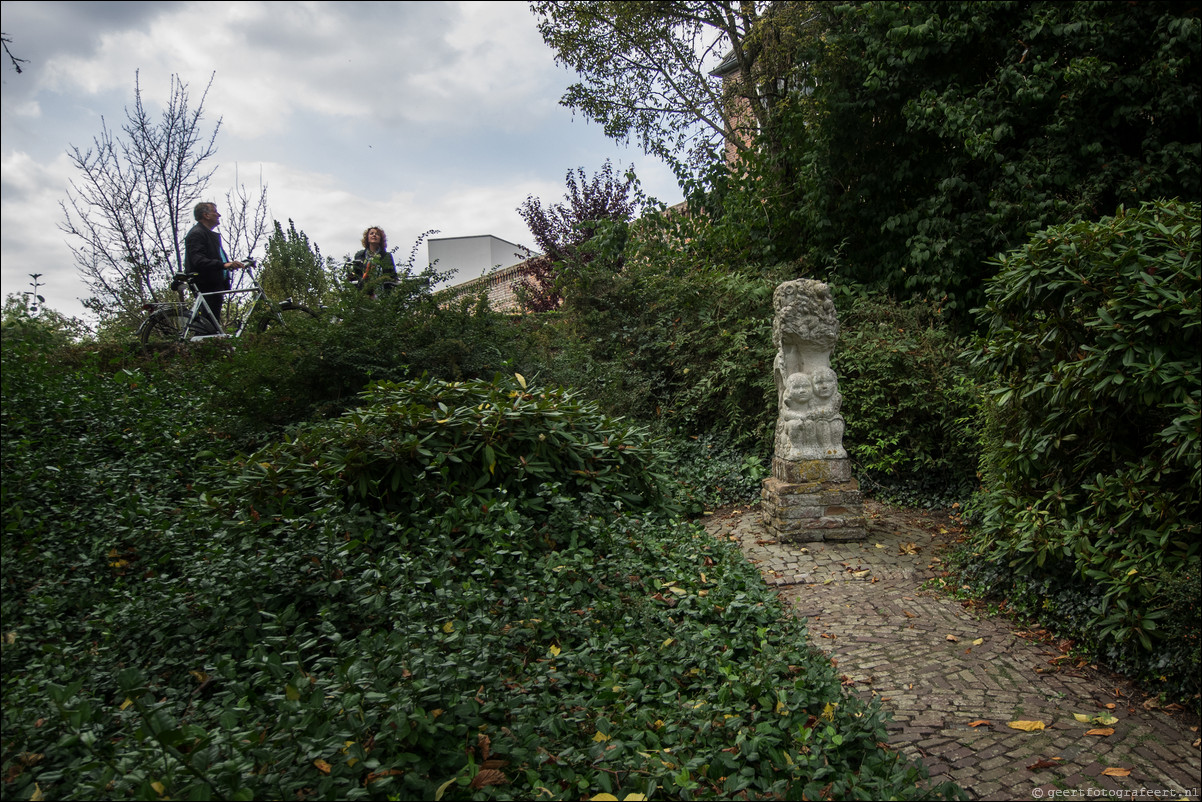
909, 402
423, 446
941, 133
293, 268
1091, 458
158, 647
318, 367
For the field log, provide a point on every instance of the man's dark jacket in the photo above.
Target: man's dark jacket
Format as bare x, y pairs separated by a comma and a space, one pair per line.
202, 256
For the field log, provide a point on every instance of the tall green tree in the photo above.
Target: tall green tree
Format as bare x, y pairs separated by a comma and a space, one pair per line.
939, 134
683, 77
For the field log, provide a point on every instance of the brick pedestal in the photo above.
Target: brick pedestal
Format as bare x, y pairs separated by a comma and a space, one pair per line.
813, 500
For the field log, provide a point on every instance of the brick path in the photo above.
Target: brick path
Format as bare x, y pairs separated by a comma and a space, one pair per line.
866, 609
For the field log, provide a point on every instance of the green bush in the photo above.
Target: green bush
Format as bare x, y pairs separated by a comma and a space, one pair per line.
1091, 457
909, 402
423, 446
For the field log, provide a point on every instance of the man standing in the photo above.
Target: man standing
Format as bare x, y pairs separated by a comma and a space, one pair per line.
205, 258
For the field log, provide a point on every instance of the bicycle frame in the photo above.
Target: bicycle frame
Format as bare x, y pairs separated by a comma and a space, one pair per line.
199, 315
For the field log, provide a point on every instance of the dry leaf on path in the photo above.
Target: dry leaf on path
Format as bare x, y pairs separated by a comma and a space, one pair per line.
1026, 726
1044, 764
953, 639
979, 722
1101, 731
1113, 772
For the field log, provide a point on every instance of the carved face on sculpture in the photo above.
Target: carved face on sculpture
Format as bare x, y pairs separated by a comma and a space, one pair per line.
799, 391
825, 383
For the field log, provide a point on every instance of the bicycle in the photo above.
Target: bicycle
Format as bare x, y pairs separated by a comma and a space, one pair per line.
180, 322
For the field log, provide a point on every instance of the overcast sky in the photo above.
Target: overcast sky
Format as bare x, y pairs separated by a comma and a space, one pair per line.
411, 116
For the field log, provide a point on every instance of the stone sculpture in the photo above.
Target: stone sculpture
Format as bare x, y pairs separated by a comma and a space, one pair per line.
804, 330
811, 494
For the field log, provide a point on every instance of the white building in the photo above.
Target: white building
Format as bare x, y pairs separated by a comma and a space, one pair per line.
473, 257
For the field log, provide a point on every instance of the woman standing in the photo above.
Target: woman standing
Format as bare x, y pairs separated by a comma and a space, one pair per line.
374, 261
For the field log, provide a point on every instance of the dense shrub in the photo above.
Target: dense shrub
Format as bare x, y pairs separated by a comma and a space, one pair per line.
1091, 457
337, 648
318, 367
909, 402
420, 447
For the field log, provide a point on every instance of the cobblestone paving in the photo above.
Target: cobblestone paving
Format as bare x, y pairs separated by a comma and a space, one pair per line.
943, 671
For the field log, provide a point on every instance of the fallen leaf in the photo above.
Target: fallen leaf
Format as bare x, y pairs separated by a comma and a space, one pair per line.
1151, 703
861, 573
880, 545
1026, 726
1110, 706
486, 777
158, 787
1044, 764
1105, 721
1101, 731
1113, 772
599, 737
909, 614
448, 627
978, 641
322, 766
908, 548
1084, 719
953, 639
554, 650
981, 722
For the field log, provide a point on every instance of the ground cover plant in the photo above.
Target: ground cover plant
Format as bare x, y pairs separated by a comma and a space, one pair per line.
545, 625
1089, 511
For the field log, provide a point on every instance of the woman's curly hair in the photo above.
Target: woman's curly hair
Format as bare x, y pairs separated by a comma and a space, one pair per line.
383, 237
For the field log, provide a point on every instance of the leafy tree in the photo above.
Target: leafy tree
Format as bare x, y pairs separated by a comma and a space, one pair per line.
647, 68
939, 134
560, 229
293, 267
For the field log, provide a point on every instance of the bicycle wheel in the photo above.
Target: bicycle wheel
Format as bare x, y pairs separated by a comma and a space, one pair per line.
280, 315
163, 326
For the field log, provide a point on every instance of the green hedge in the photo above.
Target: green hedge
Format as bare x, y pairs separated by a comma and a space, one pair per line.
1091, 457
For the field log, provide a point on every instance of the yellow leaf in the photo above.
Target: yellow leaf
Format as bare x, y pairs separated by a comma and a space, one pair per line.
635, 798
953, 639
1113, 772
668, 642
603, 797
780, 707
679, 591
978, 641
126, 704
659, 724
880, 545
1026, 726
1084, 719
600, 736
37, 793
1101, 731
1105, 721
436, 712
448, 627
521, 380
828, 712
158, 787
265, 466
322, 766
555, 650
200, 676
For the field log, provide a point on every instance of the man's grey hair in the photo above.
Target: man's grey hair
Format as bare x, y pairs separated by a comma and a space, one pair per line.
199, 210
